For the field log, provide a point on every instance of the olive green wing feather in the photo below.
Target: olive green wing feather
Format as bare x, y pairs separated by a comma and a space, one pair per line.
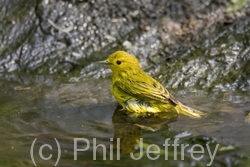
147, 91
153, 90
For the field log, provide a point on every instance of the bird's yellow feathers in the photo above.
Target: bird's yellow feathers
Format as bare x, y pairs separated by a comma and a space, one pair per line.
138, 92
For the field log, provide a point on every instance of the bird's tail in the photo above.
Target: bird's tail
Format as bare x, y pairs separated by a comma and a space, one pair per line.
188, 111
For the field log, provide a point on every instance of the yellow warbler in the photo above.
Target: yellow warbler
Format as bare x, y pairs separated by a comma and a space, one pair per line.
137, 92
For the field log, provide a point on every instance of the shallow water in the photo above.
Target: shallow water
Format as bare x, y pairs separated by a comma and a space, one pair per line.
45, 108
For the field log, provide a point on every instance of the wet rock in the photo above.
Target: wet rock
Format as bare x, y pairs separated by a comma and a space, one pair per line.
69, 37
85, 93
221, 63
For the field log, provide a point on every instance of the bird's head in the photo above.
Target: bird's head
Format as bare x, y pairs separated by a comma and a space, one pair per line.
121, 61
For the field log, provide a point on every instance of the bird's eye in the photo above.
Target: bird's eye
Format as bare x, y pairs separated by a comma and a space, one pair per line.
118, 62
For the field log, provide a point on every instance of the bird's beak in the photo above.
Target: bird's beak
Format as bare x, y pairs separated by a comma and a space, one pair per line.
104, 62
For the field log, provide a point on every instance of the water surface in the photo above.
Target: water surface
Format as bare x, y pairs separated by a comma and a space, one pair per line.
45, 108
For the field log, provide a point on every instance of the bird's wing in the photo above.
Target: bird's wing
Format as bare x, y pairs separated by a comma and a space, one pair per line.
146, 91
